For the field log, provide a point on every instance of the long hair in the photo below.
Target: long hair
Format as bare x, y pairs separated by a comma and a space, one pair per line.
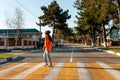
49, 37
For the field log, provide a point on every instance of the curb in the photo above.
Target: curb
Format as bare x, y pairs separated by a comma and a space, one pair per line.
111, 52
3, 60
7, 59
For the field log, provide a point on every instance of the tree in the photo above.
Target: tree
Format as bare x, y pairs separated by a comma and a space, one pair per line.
55, 17
118, 8
86, 18
94, 13
16, 23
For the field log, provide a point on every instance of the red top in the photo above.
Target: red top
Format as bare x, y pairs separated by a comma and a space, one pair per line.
47, 44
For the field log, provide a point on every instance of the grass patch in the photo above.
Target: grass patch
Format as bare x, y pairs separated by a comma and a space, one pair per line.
112, 49
2, 56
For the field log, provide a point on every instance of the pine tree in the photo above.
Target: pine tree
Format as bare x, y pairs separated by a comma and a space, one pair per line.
95, 13
55, 17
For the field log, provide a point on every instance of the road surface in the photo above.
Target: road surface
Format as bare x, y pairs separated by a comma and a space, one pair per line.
70, 63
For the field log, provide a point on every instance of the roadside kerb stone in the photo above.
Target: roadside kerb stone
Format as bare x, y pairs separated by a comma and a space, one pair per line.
3, 60
108, 51
8, 59
16, 51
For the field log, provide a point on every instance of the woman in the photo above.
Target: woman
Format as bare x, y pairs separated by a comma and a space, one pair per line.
47, 48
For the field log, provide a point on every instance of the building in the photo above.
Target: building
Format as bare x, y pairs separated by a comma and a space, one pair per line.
27, 38
113, 37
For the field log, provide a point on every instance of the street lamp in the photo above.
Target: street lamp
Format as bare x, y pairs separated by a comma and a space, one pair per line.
39, 24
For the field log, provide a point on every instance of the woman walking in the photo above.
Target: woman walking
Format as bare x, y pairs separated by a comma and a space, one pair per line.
47, 48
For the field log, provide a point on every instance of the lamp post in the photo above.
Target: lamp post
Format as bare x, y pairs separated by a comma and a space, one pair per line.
39, 24
8, 40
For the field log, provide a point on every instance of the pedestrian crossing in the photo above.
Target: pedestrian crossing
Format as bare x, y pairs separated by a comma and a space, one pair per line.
61, 71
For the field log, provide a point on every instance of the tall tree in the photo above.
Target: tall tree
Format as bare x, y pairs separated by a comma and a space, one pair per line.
118, 8
93, 13
55, 17
86, 17
16, 23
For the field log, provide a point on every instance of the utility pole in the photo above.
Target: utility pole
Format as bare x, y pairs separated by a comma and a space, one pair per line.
79, 2
8, 40
39, 24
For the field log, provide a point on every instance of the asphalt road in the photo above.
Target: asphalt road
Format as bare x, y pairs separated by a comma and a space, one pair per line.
72, 62
70, 54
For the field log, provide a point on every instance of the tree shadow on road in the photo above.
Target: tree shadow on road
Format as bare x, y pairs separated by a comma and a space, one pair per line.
95, 68
18, 59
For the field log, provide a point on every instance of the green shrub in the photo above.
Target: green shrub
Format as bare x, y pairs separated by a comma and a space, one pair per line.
2, 56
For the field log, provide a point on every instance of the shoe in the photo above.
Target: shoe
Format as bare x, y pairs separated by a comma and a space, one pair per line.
46, 65
50, 65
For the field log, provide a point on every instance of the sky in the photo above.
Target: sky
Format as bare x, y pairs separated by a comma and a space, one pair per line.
7, 7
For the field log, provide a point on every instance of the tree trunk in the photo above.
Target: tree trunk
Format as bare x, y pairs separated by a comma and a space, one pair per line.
104, 35
16, 38
15, 42
93, 37
118, 8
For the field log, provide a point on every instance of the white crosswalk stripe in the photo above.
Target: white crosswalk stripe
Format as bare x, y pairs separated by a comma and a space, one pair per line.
54, 72
111, 70
12, 68
27, 72
5, 64
82, 72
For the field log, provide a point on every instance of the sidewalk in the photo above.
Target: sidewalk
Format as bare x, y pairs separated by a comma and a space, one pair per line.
109, 51
7, 59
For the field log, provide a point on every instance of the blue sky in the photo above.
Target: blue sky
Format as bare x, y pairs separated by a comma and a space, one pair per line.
8, 7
